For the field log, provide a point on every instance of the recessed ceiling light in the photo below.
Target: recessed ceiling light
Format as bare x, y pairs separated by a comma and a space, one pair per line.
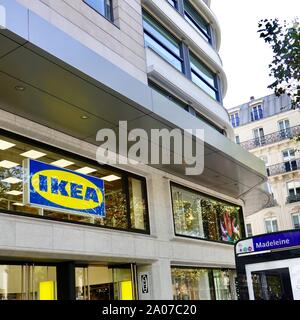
4, 145
33, 154
14, 192
8, 164
85, 170
18, 204
62, 163
20, 88
84, 117
11, 180
110, 178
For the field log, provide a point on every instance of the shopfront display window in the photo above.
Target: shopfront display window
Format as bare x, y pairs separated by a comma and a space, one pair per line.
27, 282
200, 216
202, 284
104, 283
125, 193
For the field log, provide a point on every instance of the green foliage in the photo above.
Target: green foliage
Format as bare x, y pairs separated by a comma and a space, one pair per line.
284, 40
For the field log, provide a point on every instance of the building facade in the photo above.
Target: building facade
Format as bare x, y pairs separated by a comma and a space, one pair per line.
267, 127
69, 68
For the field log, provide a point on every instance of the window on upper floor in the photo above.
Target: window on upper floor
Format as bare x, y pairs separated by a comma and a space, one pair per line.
284, 128
193, 17
203, 77
283, 125
168, 95
257, 113
296, 220
209, 122
184, 106
259, 136
288, 154
162, 42
249, 230
293, 190
235, 119
104, 7
271, 225
196, 20
289, 159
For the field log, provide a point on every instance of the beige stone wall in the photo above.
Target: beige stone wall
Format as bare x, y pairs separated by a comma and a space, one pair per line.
273, 152
121, 42
270, 124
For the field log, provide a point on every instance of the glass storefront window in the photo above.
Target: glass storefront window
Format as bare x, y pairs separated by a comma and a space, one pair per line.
202, 284
199, 216
125, 194
27, 282
103, 283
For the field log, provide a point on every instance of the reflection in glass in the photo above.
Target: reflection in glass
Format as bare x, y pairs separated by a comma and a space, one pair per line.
202, 284
103, 283
122, 193
199, 216
27, 282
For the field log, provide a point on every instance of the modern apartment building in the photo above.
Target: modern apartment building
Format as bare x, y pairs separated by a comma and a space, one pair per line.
267, 127
69, 68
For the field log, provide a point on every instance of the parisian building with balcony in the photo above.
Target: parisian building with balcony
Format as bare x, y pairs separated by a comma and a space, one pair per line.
268, 127
71, 67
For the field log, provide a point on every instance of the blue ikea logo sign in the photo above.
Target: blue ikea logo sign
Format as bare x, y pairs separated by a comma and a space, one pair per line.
63, 190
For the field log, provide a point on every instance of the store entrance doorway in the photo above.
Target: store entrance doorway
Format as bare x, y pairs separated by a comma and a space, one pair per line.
27, 282
96, 282
272, 284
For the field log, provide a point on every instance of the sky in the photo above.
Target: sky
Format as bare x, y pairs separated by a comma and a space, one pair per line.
245, 56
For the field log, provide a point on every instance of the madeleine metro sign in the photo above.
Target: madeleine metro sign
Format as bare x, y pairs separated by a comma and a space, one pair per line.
268, 242
60, 189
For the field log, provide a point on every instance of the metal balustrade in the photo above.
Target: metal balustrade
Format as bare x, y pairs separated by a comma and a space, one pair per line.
271, 138
283, 167
293, 198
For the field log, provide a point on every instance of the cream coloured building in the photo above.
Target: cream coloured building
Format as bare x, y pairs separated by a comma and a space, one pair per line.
71, 67
267, 127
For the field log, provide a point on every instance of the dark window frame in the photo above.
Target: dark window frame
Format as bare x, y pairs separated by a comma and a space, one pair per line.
235, 119
185, 59
125, 175
111, 11
178, 58
180, 7
257, 112
241, 216
210, 276
185, 106
215, 88
206, 33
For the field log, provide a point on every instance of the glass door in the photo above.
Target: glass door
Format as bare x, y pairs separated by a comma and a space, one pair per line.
27, 282
106, 283
259, 136
284, 128
274, 284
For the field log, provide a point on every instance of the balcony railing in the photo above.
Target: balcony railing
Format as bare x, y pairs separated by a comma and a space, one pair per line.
293, 198
271, 138
283, 167
272, 203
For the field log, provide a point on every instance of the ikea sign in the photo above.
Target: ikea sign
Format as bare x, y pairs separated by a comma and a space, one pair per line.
60, 189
